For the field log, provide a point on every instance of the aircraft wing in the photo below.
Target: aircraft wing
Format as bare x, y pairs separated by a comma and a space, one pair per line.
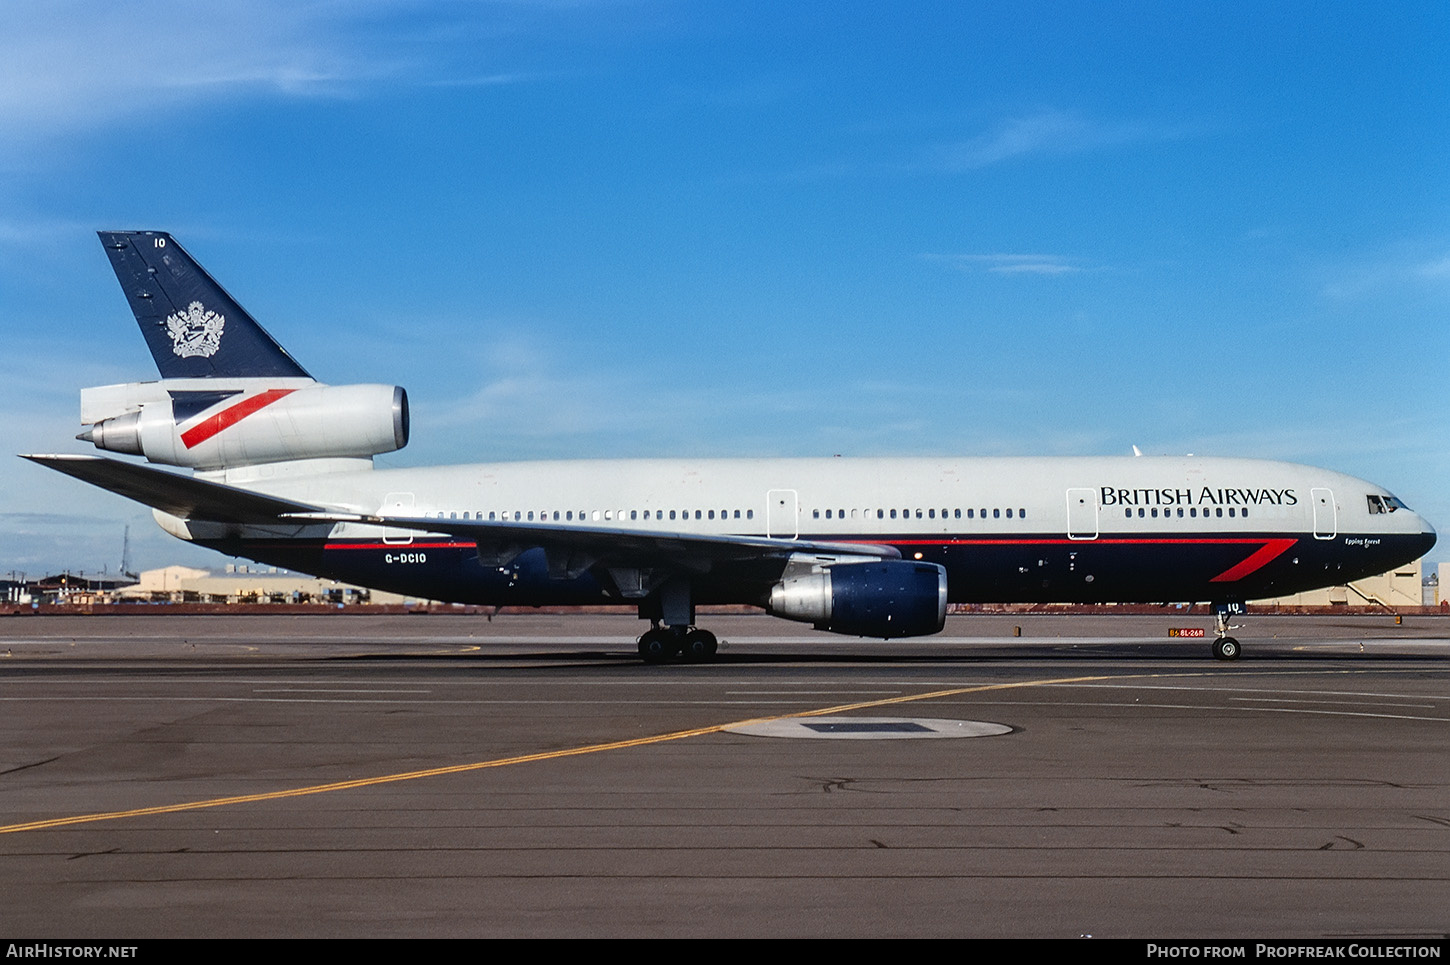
610, 545
178, 495
576, 546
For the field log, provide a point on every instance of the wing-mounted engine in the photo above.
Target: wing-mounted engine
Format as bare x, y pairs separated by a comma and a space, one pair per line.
870, 598
220, 423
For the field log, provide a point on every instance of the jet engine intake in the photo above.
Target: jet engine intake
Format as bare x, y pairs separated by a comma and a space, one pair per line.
879, 598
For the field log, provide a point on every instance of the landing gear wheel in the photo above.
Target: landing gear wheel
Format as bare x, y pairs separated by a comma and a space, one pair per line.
700, 645
1226, 648
658, 645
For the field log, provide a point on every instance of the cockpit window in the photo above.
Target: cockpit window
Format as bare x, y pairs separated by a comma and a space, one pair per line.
1384, 504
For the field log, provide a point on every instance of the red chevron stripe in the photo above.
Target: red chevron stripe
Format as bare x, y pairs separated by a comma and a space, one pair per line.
230, 416
1262, 557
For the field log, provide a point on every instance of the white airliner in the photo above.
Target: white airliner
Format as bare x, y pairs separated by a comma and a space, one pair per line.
283, 474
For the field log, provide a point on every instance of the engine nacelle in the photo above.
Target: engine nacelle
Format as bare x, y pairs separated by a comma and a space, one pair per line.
877, 598
217, 424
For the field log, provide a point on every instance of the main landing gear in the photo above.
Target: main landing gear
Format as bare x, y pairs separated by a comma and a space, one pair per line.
672, 634
691, 644
1225, 647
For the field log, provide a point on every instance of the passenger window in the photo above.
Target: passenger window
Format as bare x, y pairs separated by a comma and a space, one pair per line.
996, 514
1009, 513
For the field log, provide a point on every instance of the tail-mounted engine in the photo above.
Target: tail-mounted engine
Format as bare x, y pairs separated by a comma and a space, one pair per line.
879, 598
223, 423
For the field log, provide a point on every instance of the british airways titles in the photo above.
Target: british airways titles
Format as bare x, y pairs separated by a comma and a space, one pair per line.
1110, 496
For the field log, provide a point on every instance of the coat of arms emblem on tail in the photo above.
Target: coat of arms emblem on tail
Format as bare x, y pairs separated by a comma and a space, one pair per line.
195, 331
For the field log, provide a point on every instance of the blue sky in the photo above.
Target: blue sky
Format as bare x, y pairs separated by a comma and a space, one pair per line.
652, 228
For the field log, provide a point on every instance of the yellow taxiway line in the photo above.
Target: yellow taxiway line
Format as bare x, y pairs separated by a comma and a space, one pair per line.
529, 758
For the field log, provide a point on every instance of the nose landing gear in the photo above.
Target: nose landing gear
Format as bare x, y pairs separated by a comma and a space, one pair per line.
1225, 647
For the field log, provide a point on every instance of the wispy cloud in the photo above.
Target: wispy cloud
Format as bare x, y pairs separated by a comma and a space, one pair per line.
1047, 132
483, 80
1437, 269
75, 65
1402, 271
1011, 264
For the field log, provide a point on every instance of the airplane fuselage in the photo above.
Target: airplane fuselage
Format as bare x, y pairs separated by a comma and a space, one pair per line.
1147, 529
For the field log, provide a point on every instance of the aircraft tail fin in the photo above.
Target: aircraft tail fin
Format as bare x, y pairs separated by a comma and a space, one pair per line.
193, 328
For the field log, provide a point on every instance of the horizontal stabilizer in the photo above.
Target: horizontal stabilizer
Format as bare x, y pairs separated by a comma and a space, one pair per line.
178, 495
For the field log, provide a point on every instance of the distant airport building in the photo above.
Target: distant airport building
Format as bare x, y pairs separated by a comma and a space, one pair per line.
244, 584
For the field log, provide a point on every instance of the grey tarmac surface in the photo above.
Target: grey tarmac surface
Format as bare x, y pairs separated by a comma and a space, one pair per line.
445, 775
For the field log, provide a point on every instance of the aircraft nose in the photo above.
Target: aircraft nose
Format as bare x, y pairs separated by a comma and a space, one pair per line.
1428, 536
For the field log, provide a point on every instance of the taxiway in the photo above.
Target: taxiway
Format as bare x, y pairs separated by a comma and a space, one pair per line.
449, 776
